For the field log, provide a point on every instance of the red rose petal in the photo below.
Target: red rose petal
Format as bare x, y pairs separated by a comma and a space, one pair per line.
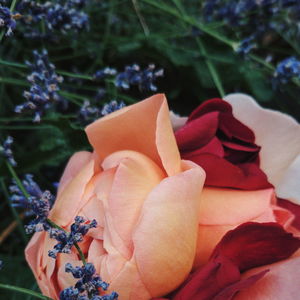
231, 127
221, 173
255, 244
198, 132
292, 207
247, 246
215, 104
213, 147
229, 292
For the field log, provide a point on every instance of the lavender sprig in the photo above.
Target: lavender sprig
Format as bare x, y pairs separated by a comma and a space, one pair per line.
66, 240
7, 20
134, 76
44, 86
88, 285
5, 148
57, 15
36, 203
89, 113
286, 70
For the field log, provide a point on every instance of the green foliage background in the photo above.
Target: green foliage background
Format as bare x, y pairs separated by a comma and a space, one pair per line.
199, 61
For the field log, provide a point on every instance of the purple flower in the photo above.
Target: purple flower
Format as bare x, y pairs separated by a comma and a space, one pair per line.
66, 240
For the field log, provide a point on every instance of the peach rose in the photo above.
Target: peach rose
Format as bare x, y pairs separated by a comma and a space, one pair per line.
144, 198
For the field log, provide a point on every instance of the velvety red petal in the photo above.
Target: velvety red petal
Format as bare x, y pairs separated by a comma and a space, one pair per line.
221, 173
255, 244
198, 132
247, 246
229, 292
215, 104
231, 127
213, 147
206, 282
292, 207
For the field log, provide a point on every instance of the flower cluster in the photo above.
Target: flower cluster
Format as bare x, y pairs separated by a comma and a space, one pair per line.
134, 76
7, 19
111, 107
89, 113
40, 208
44, 86
18, 199
253, 19
60, 15
88, 285
7, 152
286, 70
105, 72
66, 240
36, 203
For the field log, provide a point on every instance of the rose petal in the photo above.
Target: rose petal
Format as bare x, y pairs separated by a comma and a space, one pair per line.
144, 127
73, 167
197, 133
177, 121
280, 283
230, 291
70, 199
246, 176
247, 246
232, 207
292, 207
136, 175
255, 244
215, 104
279, 137
165, 239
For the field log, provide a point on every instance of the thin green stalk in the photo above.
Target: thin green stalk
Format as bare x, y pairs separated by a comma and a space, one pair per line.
1, 35
12, 64
211, 67
80, 76
17, 179
81, 255
23, 291
193, 22
213, 72
14, 81
13, 5
140, 17
14, 212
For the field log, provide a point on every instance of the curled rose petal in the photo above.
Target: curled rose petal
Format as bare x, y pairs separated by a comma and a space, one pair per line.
249, 245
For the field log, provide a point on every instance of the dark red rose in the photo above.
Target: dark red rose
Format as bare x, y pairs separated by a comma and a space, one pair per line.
224, 147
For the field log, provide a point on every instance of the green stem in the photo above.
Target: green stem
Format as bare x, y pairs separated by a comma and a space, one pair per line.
14, 212
193, 22
140, 17
211, 67
17, 179
23, 291
13, 5
81, 255
213, 72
